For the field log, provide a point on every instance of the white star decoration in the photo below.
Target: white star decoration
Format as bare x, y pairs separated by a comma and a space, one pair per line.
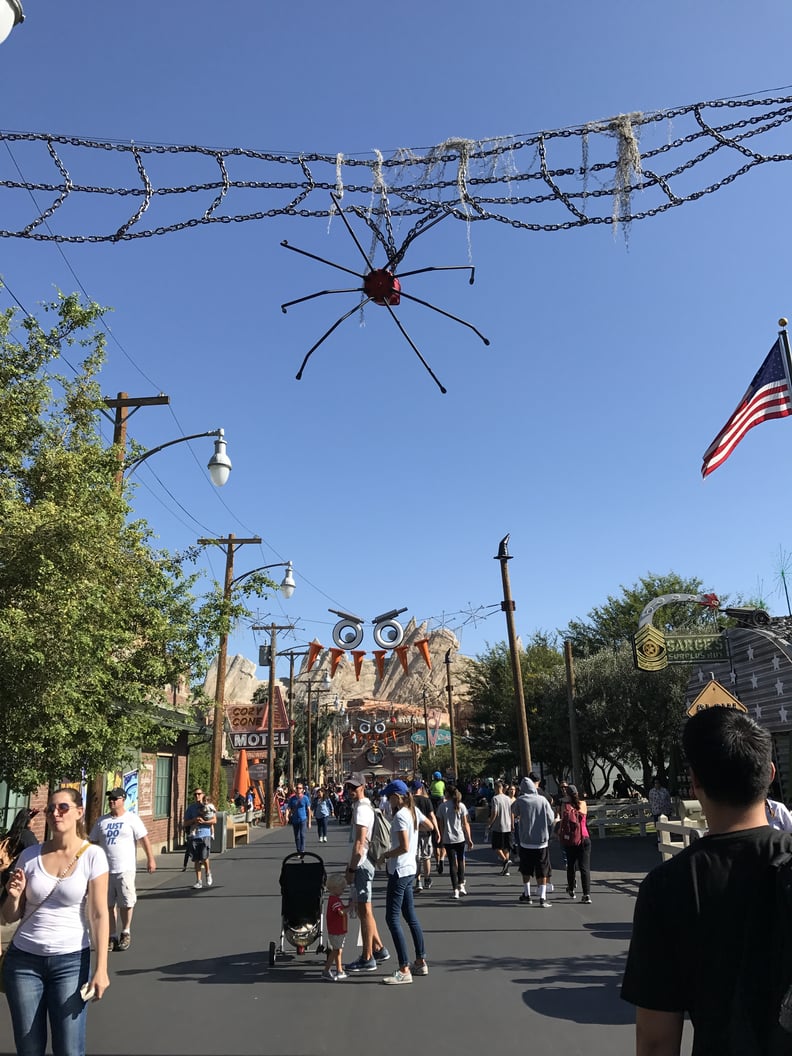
754, 681
758, 711
750, 652
776, 663
782, 713
700, 676
779, 687
732, 677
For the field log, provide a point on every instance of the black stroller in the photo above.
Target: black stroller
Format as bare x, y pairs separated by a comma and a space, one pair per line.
302, 886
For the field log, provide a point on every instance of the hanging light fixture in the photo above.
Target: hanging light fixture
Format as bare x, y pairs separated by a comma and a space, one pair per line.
11, 14
219, 464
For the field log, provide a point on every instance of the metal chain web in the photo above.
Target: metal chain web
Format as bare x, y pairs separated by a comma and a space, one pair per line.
547, 181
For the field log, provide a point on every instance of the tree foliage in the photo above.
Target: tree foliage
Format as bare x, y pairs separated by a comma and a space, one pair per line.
93, 620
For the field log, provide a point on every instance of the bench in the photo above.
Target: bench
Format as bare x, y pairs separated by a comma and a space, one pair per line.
604, 814
238, 830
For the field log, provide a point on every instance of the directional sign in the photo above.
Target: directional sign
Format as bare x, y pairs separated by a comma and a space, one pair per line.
714, 695
443, 737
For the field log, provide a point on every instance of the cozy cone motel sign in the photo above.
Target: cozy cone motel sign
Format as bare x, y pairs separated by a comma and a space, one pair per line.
714, 695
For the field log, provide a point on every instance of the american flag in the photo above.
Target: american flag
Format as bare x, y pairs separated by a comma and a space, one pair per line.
769, 396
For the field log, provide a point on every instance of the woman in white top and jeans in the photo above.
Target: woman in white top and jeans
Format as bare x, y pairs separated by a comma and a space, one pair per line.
400, 861
58, 892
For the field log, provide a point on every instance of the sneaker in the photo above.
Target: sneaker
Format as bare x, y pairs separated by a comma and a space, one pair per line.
125, 941
209, 880
362, 966
111, 943
505, 868
544, 904
456, 893
197, 886
525, 899
339, 976
571, 892
420, 969
428, 882
398, 978
329, 974
462, 889
382, 954
586, 900
440, 867
419, 885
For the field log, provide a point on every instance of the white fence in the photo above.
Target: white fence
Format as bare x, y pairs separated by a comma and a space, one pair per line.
604, 814
674, 836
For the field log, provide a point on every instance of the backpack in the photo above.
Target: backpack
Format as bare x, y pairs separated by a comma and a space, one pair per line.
379, 838
570, 831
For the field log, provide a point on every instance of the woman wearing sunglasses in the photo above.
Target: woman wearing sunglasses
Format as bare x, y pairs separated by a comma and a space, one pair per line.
58, 893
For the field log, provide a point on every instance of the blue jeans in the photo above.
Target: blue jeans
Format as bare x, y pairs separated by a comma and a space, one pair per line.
299, 834
38, 988
399, 903
321, 826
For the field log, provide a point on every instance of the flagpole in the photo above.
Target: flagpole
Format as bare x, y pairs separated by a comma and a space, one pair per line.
782, 333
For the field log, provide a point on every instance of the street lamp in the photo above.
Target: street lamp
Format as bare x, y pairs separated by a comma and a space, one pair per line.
219, 465
11, 14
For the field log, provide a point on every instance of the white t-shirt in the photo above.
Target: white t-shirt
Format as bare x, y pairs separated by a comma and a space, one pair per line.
451, 821
404, 864
118, 837
363, 815
60, 925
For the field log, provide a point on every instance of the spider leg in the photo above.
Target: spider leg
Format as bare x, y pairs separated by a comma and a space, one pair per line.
348, 226
419, 229
412, 345
452, 267
321, 260
324, 336
321, 293
448, 315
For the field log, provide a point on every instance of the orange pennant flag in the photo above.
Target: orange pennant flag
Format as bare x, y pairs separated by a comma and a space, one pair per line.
314, 649
357, 656
336, 656
401, 652
422, 645
379, 659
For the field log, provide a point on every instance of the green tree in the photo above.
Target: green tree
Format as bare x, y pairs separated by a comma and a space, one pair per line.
493, 729
93, 620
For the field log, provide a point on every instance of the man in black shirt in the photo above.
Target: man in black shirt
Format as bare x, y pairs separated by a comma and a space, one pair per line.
711, 932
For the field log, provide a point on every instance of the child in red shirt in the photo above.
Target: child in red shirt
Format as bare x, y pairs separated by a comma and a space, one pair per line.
336, 926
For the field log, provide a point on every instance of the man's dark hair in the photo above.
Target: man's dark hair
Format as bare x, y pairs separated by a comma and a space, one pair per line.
730, 755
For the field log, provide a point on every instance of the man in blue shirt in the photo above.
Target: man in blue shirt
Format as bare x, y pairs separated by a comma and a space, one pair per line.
199, 822
299, 816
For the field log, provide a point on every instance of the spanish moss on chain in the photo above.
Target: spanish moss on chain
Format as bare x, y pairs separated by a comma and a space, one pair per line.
614, 171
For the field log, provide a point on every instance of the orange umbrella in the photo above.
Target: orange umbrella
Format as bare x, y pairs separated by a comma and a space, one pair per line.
241, 775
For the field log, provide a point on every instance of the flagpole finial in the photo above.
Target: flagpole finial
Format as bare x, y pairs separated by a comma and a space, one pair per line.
783, 322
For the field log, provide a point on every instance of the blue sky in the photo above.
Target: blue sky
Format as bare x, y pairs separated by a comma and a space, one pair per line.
579, 430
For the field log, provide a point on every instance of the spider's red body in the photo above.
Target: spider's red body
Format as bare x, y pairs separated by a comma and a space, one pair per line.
382, 287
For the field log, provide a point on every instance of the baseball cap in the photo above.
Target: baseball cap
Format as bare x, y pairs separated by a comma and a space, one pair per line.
416, 785
355, 780
116, 793
398, 787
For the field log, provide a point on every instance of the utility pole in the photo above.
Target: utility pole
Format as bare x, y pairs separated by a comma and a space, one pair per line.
451, 716
508, 607
273, 629
121, 404
292, 655
574, 742
230, 544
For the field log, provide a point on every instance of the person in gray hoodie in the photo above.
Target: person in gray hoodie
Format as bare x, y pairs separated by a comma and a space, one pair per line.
536, 819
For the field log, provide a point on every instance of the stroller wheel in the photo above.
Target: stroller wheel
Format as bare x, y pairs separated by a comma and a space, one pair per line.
272, 955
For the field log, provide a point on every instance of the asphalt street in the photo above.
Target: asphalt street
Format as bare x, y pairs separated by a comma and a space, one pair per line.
197, 980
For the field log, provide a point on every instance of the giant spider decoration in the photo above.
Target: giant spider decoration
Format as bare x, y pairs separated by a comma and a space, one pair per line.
381, 286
